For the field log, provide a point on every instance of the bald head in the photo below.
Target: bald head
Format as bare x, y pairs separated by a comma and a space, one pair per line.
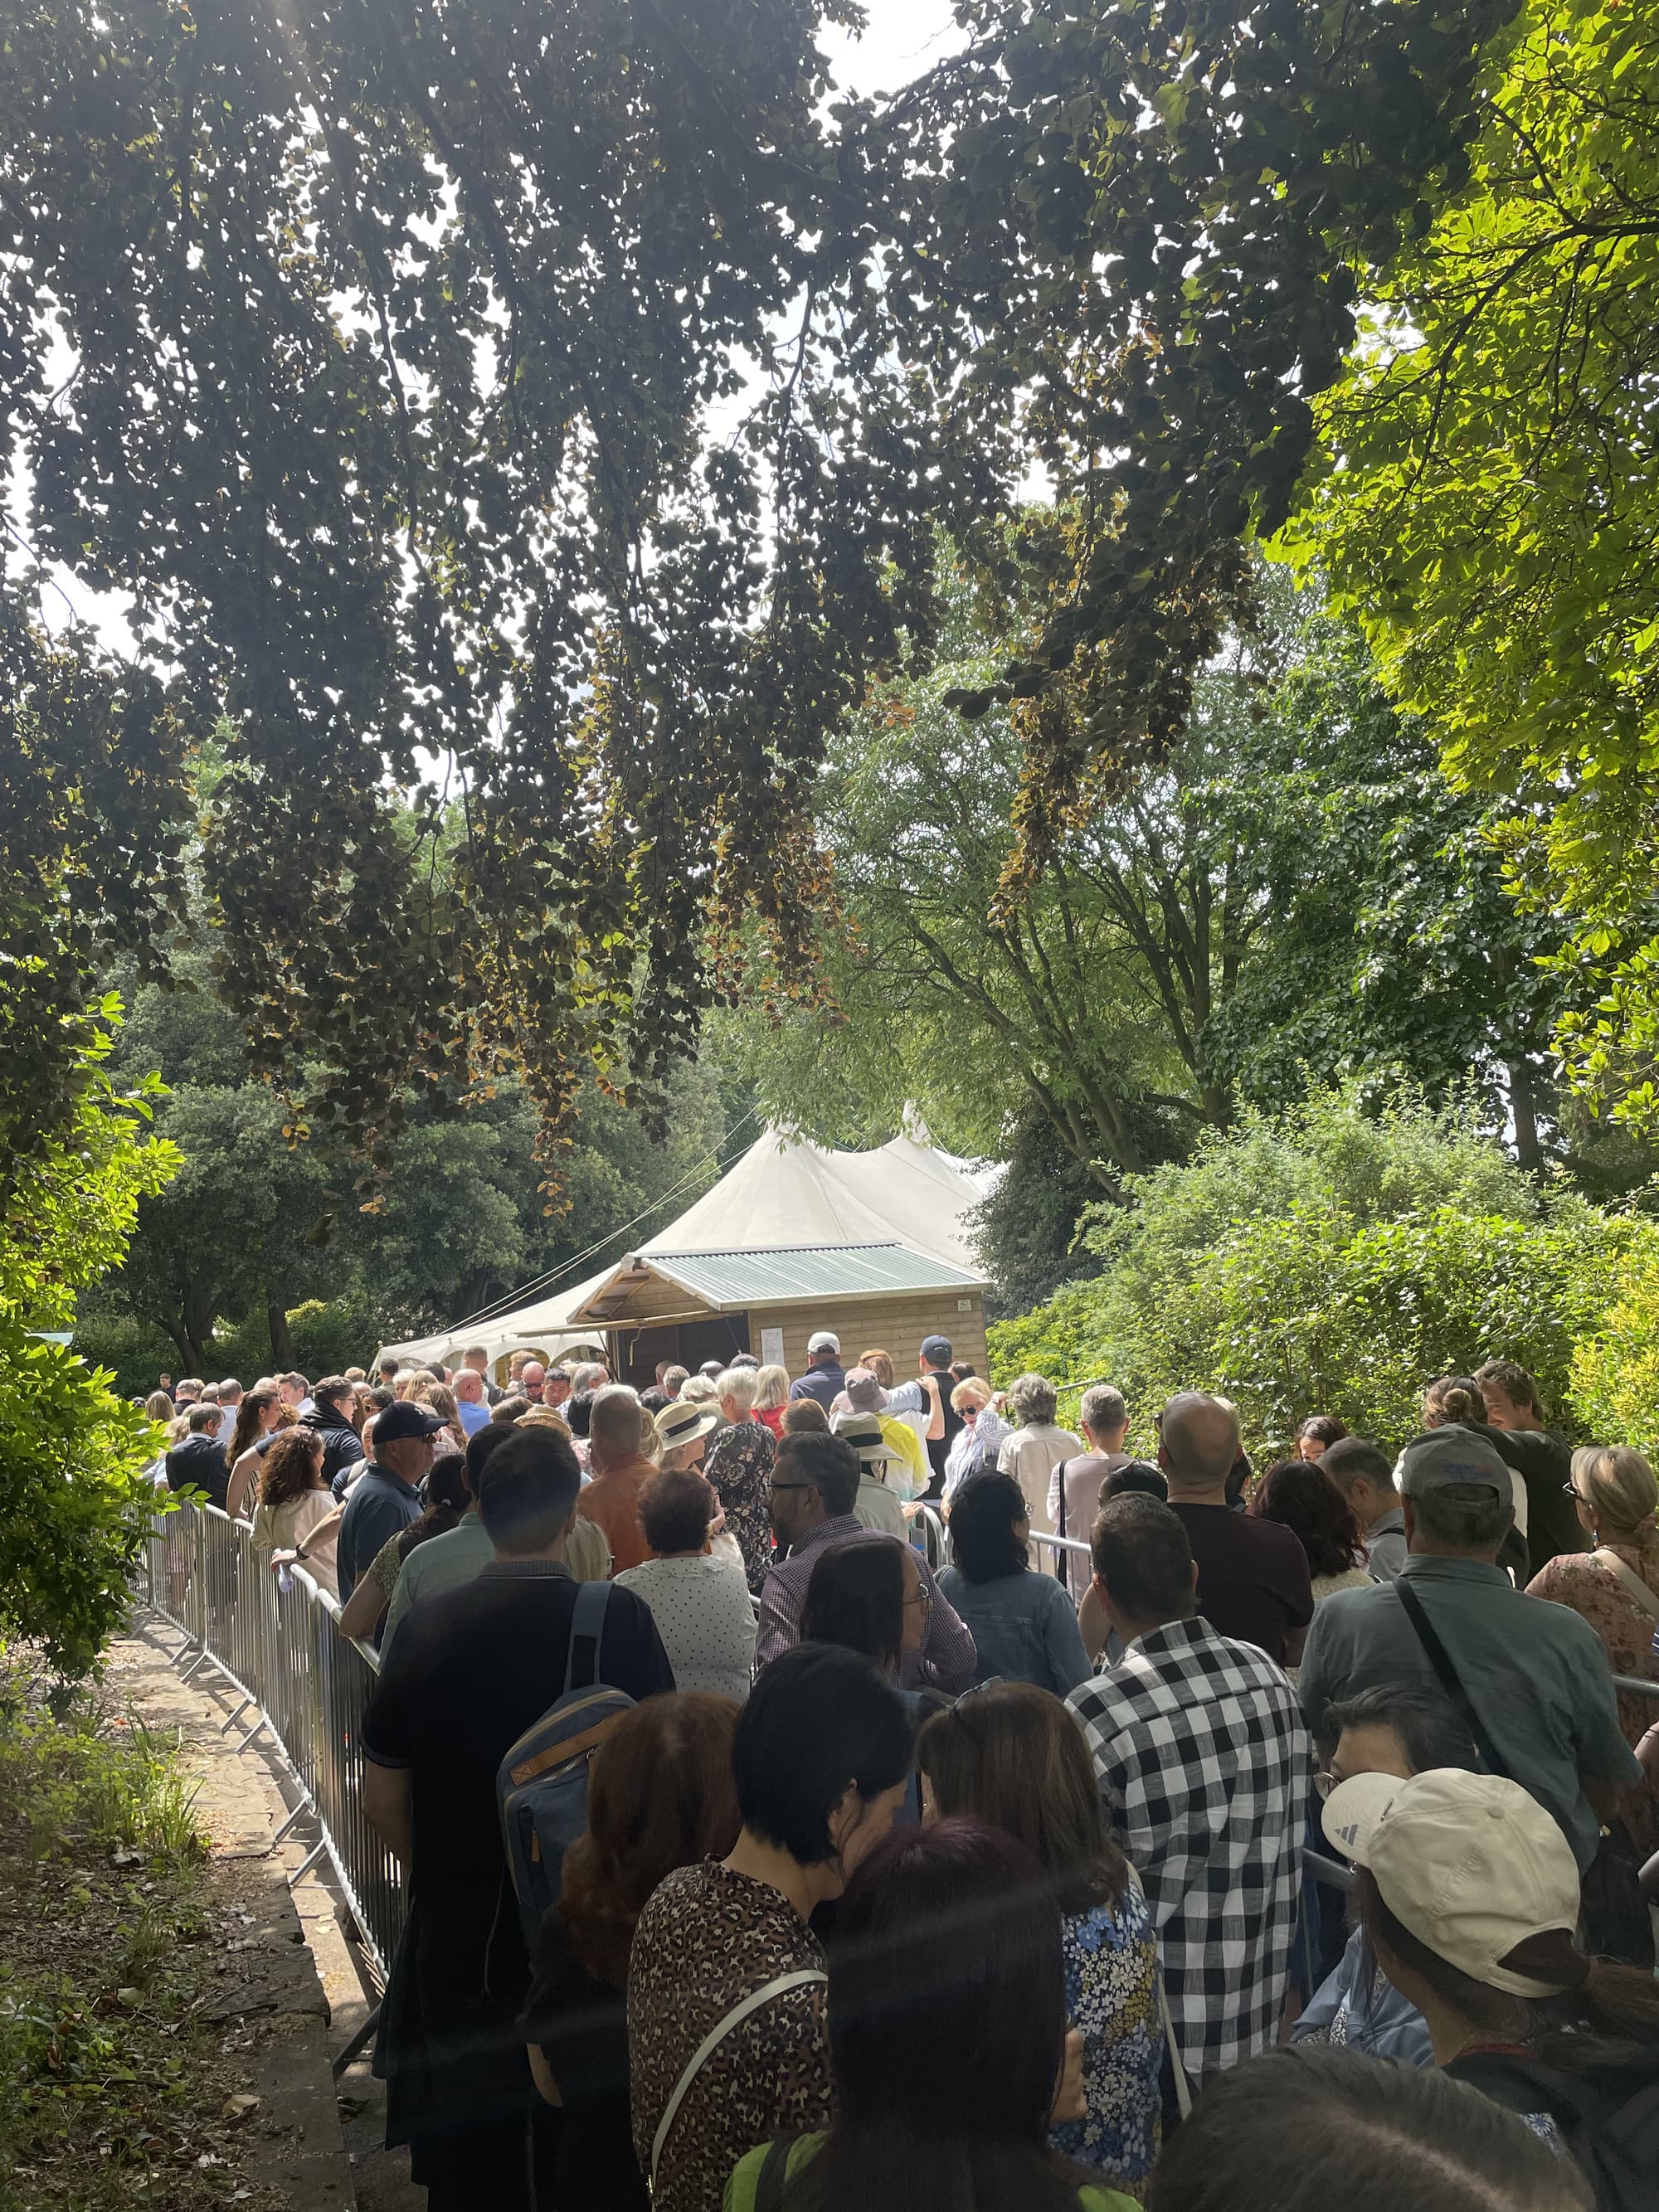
1199, 1443
615, 1427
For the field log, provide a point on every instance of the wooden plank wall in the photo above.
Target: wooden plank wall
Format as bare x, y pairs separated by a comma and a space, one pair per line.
895, 1321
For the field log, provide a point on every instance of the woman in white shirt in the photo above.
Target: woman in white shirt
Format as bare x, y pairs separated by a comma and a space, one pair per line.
1037, 1447
293, 1500
698, 1596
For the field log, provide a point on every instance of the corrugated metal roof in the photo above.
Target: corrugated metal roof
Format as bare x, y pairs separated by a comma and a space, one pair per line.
790, 1272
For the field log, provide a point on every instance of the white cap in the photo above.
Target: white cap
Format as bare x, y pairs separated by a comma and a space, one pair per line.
1469, 1863
822, 1340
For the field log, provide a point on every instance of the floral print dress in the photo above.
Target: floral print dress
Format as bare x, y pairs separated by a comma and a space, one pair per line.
1594, 1592
1111, 1995
738, 1463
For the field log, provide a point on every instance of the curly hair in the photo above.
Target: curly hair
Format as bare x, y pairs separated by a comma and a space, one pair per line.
293, 1465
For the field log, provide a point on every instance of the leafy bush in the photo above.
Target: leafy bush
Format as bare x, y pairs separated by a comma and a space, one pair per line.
1333, 1262
73, 1454
1615, 1371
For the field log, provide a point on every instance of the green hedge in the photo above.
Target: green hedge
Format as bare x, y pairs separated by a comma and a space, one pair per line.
1334, 1261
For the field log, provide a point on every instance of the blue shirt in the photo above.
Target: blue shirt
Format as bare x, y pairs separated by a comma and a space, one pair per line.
1357, 2005
473, 1418
1024, 1628
381, 1505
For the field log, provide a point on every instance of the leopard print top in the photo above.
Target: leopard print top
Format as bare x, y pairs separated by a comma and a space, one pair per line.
705, 1939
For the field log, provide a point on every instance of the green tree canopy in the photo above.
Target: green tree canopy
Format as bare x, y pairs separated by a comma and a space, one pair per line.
567, 396
1334, 1260
1495, 521
1294, 892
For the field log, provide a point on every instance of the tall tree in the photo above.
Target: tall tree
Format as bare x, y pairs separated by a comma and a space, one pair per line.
1294, 891
1495, 521
374, 352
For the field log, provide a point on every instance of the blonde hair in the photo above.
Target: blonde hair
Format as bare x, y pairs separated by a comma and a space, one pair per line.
544, 1417
698, 1390
771, 1387
1617, 1484
739, 1385
970, 1391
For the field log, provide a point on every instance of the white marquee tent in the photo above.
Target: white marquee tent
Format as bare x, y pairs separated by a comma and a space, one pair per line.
783, 1194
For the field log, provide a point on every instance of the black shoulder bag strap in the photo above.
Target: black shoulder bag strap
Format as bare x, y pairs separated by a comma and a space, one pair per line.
773, 2174
1435, 1652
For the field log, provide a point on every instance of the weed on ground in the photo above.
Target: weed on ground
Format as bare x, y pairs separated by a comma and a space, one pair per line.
120, 2077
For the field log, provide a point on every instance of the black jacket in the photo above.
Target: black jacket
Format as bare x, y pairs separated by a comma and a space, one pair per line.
198, 1463
341, 1445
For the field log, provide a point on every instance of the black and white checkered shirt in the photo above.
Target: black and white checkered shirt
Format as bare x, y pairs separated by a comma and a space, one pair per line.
1205, 1770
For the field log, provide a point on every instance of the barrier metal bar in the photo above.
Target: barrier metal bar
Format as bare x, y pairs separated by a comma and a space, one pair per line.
282, 1651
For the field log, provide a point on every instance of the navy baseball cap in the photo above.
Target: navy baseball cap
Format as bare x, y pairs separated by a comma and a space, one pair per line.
404, 1419
936, 1351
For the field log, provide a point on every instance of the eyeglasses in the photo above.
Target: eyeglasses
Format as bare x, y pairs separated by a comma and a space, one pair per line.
924, 1598
1571, 1490
773, 1489
1325, 1780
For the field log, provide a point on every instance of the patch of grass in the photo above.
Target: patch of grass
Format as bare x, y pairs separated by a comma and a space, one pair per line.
77, 1780
111, 1935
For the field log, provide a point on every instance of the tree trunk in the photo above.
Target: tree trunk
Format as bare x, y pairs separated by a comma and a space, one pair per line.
281, 1346
1523, 1111
190, 1361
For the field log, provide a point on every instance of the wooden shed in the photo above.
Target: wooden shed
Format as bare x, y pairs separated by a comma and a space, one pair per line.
693, 1306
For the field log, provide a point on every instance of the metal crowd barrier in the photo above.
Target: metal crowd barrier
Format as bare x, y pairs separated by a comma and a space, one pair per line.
305, 1684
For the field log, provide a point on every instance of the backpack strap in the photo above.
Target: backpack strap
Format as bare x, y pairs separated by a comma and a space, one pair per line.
1633, 1583
770, 2182
779, 1985
581, 1670
1450, 1681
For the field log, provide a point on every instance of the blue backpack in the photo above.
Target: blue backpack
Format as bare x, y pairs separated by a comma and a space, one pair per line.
541, 1785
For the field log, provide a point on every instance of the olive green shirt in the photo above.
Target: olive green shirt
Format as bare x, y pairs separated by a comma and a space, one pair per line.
1536, 1674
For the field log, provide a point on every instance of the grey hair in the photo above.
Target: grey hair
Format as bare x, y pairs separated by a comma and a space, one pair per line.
1032, 1397
740, 1385
1102, 1410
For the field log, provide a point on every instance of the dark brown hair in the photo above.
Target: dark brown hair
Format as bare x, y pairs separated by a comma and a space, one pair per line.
855, 1598
250, 1425
1455, 1399
675, 1510
1301, 1496
292, 1465
1300, 2130
946, 1941
1012, 1754
1607, 2016
660, 1795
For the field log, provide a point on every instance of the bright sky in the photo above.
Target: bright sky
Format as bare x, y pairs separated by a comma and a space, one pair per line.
902, 38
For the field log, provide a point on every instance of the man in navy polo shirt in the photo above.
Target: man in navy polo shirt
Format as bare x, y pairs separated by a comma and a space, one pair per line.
386, 1497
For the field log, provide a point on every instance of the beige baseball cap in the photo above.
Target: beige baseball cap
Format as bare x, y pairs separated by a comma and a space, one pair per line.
1470, 1864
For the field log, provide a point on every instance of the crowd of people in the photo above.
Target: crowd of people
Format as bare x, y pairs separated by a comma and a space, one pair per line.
969, 1800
